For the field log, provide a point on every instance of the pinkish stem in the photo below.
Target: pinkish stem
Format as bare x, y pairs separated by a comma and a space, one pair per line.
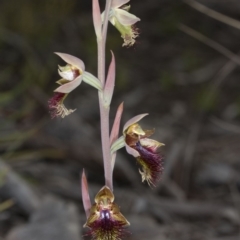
104, 110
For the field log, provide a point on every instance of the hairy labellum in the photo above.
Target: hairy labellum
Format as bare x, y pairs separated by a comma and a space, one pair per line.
145, 150
57, 107
106, 228
105, 219
151, 163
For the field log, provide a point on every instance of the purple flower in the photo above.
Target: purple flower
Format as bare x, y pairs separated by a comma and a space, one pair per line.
144, 149
72, 75
105, 219
71, 78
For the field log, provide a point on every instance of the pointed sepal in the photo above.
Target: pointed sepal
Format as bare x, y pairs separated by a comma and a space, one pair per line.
72, 60
118, 144
115, 132
70, 86
118, 3
133, 120
110, 82
85, 194
116, 124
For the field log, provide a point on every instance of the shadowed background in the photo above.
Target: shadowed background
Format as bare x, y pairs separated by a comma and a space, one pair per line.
183, 71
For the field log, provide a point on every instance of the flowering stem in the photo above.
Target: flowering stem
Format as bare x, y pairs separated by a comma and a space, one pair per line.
104, 110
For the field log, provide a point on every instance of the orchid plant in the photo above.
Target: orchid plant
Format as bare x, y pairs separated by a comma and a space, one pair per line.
104, 219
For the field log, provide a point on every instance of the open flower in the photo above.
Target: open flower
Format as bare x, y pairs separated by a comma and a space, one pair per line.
105, 219
144, 150
124, 21
72, 75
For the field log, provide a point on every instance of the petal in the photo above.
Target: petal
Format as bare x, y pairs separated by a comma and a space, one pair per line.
68, 87
118, 3
62, 81
125, 18
67, 75
135, 129
78, 63
150, 143
132, 151
93, 216
134, 120
148, 133
104, 196
117, 216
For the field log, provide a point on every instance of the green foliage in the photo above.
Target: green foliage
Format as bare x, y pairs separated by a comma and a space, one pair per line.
34, 19
26, 27
191, 60
166, 80
206, 99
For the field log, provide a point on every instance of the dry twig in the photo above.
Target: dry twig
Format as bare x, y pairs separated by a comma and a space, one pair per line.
214, 14
209, 42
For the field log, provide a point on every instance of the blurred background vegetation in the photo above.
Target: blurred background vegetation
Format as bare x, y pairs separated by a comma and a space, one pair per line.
183, 71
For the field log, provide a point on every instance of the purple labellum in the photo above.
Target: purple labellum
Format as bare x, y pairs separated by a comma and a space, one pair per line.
107, 228
151, 162
54, 102
147, 153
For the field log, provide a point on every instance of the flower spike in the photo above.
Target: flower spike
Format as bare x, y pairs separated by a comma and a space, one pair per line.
105, 220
